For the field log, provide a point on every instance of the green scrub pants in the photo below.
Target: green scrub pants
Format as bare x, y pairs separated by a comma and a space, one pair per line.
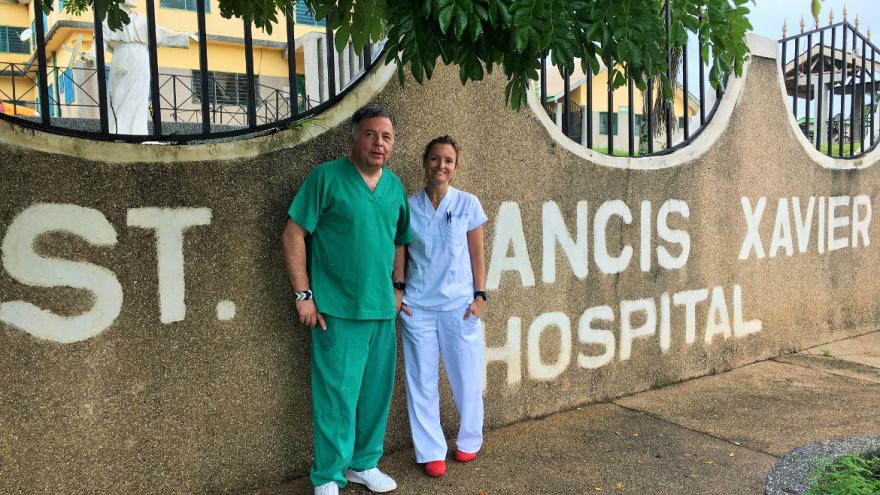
352, 370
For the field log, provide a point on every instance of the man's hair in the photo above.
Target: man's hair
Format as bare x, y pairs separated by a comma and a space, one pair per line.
368, 112
442, 140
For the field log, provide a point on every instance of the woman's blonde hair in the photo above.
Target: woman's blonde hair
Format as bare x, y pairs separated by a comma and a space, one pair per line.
444, 139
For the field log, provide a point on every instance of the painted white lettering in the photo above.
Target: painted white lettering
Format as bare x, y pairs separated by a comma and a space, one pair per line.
752, 240
835, 222
555, 231
537, 368
645, 238
803, 224
509, 233
689, 299
781, 230
665, 322
589, 335
28, 267
509, 353
169, 224
680, 237
627, 332
610, 264
717, 319
741, 328
820, 224
861, 222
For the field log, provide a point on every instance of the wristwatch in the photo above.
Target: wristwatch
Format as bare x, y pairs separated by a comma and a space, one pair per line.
401, 286
481, 293
304, 295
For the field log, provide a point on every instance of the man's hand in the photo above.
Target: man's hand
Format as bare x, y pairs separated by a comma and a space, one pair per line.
308, 314
476, 309
398, 303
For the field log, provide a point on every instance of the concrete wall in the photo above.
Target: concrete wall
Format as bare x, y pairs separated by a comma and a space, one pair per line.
125, 369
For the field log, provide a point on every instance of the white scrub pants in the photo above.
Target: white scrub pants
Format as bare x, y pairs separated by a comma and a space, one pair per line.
428, 335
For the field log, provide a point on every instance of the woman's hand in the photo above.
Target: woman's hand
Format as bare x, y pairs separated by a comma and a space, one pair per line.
476, 309
399, 304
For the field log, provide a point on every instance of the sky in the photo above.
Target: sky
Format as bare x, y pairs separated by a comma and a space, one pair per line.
767, 15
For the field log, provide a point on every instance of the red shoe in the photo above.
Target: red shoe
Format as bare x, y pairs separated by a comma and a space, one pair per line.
435, 469
464, 456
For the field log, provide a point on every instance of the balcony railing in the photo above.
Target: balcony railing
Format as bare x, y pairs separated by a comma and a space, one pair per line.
193, 104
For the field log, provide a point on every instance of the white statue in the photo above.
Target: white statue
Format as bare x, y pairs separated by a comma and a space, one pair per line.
128, 89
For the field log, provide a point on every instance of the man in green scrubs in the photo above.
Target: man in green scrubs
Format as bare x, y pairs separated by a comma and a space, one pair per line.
344, 249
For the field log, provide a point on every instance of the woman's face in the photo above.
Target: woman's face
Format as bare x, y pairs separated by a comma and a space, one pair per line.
440, 164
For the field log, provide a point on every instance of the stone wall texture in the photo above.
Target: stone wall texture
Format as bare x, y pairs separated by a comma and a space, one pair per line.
200, 404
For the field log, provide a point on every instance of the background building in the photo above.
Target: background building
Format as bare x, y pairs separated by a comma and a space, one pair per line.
619, 117
72, 82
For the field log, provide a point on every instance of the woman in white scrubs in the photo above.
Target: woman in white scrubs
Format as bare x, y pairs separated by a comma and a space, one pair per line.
444, 297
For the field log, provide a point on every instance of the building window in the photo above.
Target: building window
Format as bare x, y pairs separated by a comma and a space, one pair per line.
9, 41
224, 88
603, 123
638, 122
184, 5
306, 17
32, 42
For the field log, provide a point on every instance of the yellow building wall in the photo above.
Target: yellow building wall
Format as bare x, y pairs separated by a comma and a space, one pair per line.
222, 57
620, 97
185, 21
24, 88
225, 57
13, 14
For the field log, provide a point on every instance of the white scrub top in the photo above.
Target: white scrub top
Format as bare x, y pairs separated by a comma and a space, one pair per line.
438, 271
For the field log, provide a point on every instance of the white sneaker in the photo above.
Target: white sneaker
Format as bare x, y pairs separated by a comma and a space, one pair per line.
375, 480
327, 489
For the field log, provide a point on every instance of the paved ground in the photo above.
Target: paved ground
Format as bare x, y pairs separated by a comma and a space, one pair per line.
718, 434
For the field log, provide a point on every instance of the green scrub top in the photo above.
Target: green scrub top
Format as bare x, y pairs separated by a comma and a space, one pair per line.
352, 235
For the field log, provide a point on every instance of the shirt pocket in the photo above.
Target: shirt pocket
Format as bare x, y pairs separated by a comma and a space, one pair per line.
456, 232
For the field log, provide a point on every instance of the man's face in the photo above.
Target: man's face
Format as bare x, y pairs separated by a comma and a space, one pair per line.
372, 143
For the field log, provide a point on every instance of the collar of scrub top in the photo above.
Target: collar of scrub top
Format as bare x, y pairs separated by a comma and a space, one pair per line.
444, 204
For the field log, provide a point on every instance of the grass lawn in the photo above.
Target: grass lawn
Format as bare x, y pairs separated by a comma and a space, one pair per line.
835, 147
617, 152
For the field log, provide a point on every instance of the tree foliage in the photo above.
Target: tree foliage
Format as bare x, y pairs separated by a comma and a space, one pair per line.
630, 36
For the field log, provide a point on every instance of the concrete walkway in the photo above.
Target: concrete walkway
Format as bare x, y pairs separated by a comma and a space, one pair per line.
718, 434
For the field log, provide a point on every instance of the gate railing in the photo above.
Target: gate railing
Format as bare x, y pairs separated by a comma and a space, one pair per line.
255, 107
644, 124
831, 76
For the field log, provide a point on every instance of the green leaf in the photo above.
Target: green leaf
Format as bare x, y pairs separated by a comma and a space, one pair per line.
445, 18
340, 38
461, 21
477, 34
